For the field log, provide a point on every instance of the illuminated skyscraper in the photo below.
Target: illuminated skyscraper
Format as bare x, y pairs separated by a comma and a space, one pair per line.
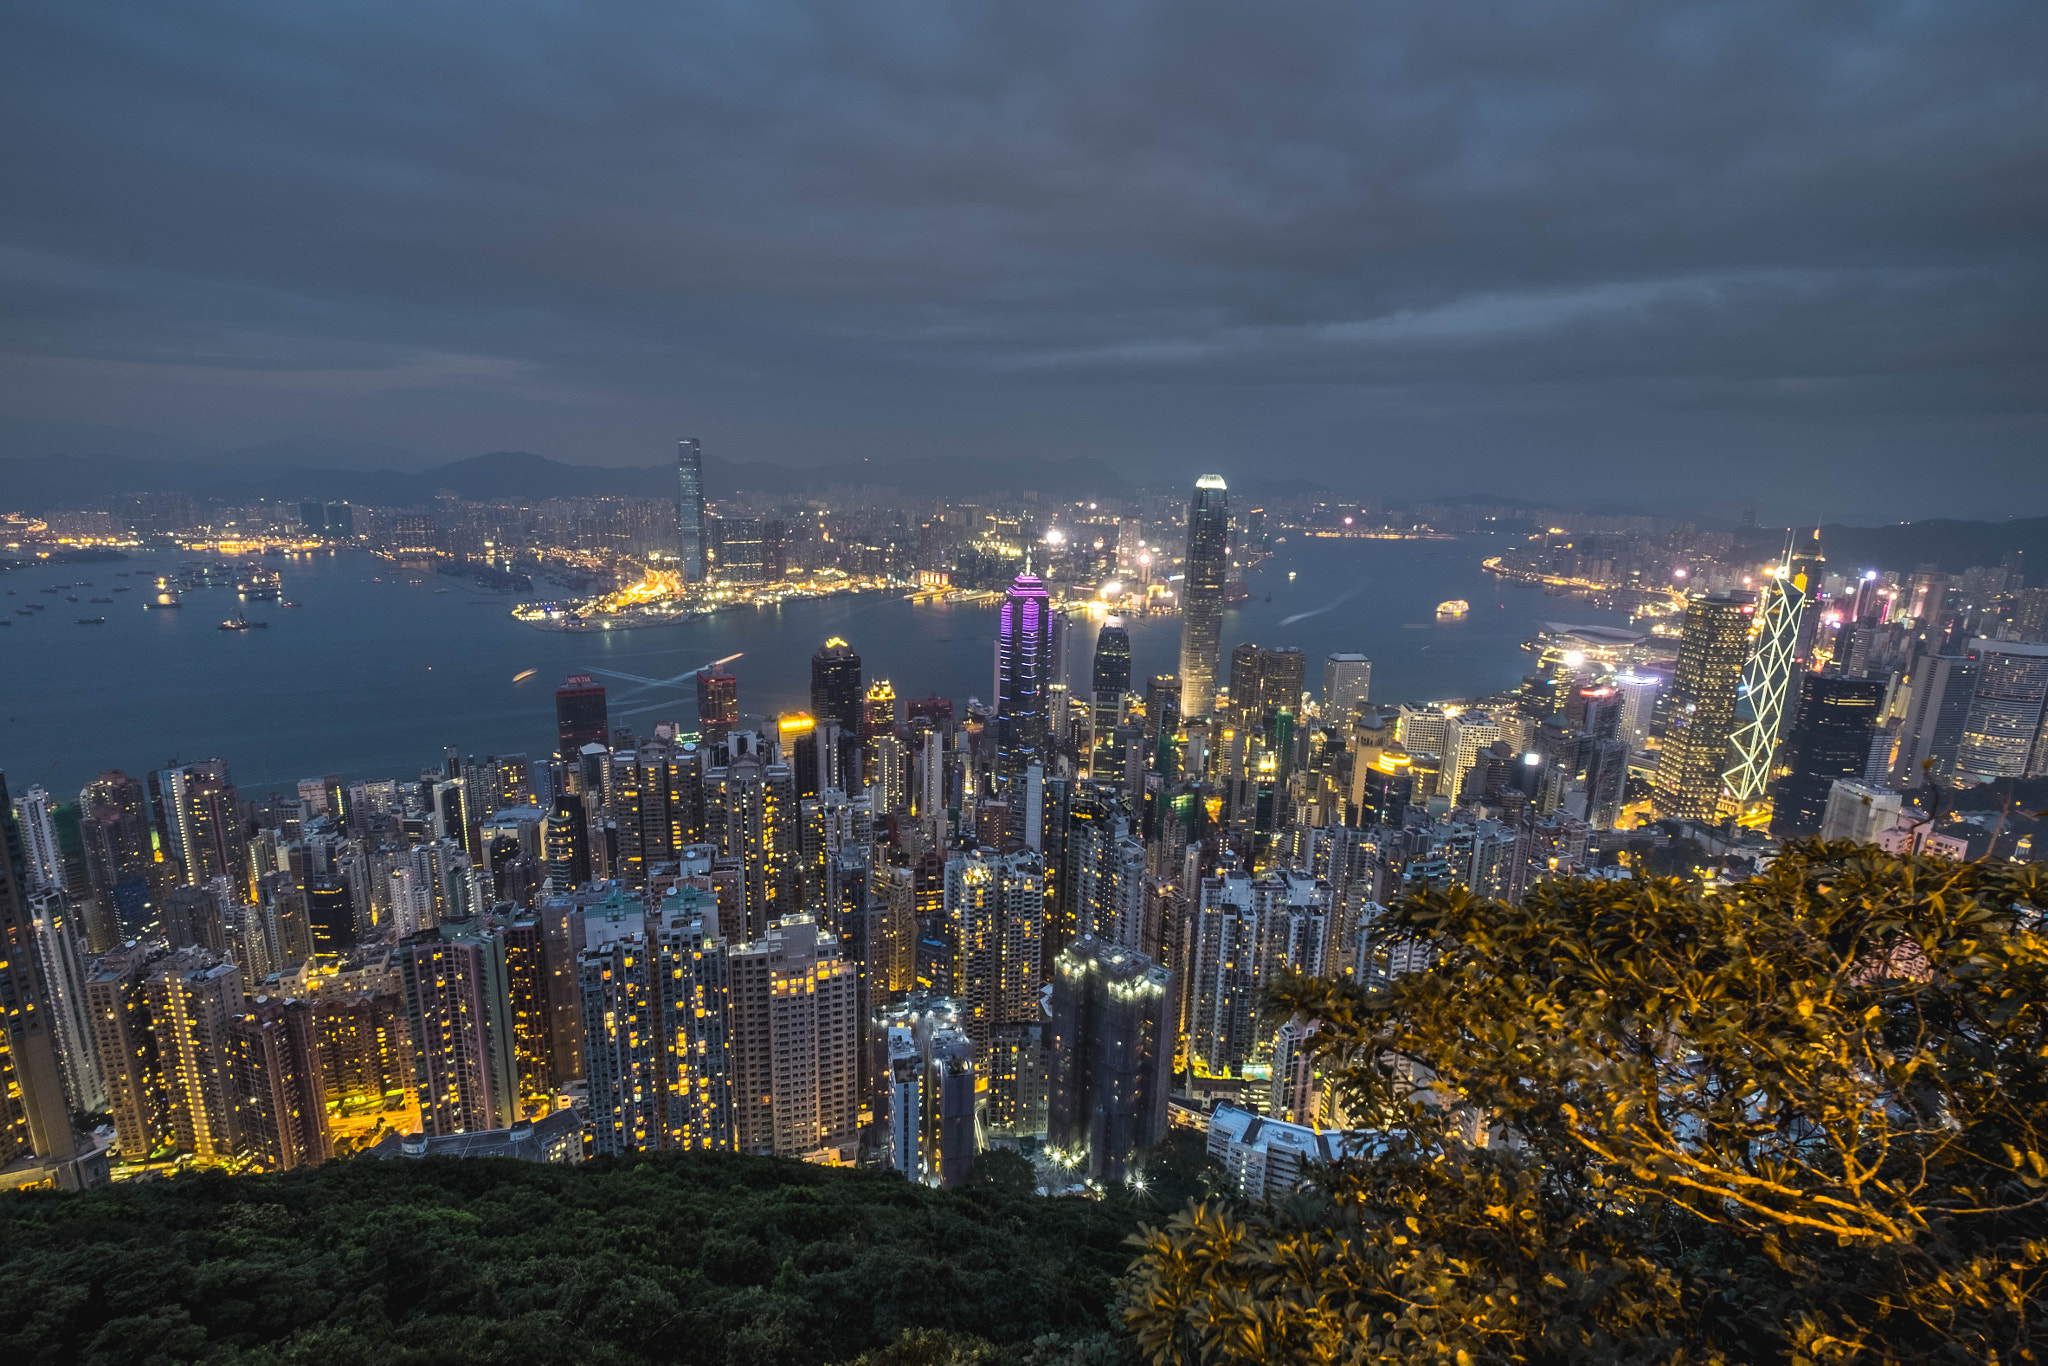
196, 822
995, 920
34, 1117
1024, 665
1201, 594
794, 1042
690, 509
1111, 681
1712, 650
580, 716
836, 698
1347, 682
458, 998
1766, 679
718, 702
2003, 736
1111, 1044
120, 859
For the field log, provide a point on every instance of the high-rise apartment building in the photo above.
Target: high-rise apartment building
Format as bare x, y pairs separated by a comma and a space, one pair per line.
1024, 670
1347, 684
192, 1010
34, 1116
197, 825
1111, 1047
458, 1001
1247, 932
931, 1087
1201, 594
274, 1071
751, 815
1829, 740
795, 1043
120, 860
2003, 736
995, 921
1712, 650
692, 533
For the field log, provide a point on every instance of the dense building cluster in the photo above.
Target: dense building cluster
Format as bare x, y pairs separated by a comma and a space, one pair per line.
893, 931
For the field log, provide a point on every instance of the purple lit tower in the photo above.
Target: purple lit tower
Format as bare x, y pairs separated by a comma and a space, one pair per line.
1024, 666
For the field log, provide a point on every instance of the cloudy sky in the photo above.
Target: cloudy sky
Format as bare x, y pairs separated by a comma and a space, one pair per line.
1616, 251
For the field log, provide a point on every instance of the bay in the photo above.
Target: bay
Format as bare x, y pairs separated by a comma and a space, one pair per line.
372, 674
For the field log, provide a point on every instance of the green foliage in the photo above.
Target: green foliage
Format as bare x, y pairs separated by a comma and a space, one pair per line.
694, 1258
1798, 1119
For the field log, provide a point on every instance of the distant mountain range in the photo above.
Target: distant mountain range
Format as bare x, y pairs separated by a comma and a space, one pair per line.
37, 485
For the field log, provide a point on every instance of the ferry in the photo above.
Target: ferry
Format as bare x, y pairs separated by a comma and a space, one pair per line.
1454, 607
261, 585
238, 622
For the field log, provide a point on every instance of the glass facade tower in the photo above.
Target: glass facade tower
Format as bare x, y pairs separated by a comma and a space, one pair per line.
1201, 594
690, 509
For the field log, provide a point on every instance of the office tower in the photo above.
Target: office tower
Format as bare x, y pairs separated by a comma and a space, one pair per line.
34, 1116
933, 1104
458, 1004
330, 916
580, 716
1712, 650
1347, 683
877, 718
1859, 812
1938, 706
889, 774
113, 821
751, 815
1638, 705
1830, 739
995, 922
718, 702
1111, 1044
274, 1071
794, 1043
741, 558
1263, 682
692, 533
197, 823
192, 1006
1110, 680
1760, 694
935, 709
2002, 736
1201, 594
837, 697
1024, 666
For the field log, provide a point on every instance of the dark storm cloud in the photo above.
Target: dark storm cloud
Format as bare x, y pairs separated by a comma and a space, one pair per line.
1438, 247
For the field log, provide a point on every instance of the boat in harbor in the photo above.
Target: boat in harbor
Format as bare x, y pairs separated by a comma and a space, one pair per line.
166, 599
238, 622
1454, 607
92, 621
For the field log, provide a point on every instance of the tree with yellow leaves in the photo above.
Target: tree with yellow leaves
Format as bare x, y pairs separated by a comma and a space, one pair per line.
1799, 1118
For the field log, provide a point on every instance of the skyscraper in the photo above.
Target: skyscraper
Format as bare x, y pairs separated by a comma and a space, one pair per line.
1767, 677
718, 702
1944, 687
113, 821
836, 697
1111, 1045
580, 716
1347, 682
1201, 594
1111, 681
691, 531
34, 1117
2003, 737
1829, 740
995, 920
197, 823
458, 999
1712, 650
1023, 670
794, 1042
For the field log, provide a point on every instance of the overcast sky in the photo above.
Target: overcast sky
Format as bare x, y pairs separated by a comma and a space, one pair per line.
1615, 251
